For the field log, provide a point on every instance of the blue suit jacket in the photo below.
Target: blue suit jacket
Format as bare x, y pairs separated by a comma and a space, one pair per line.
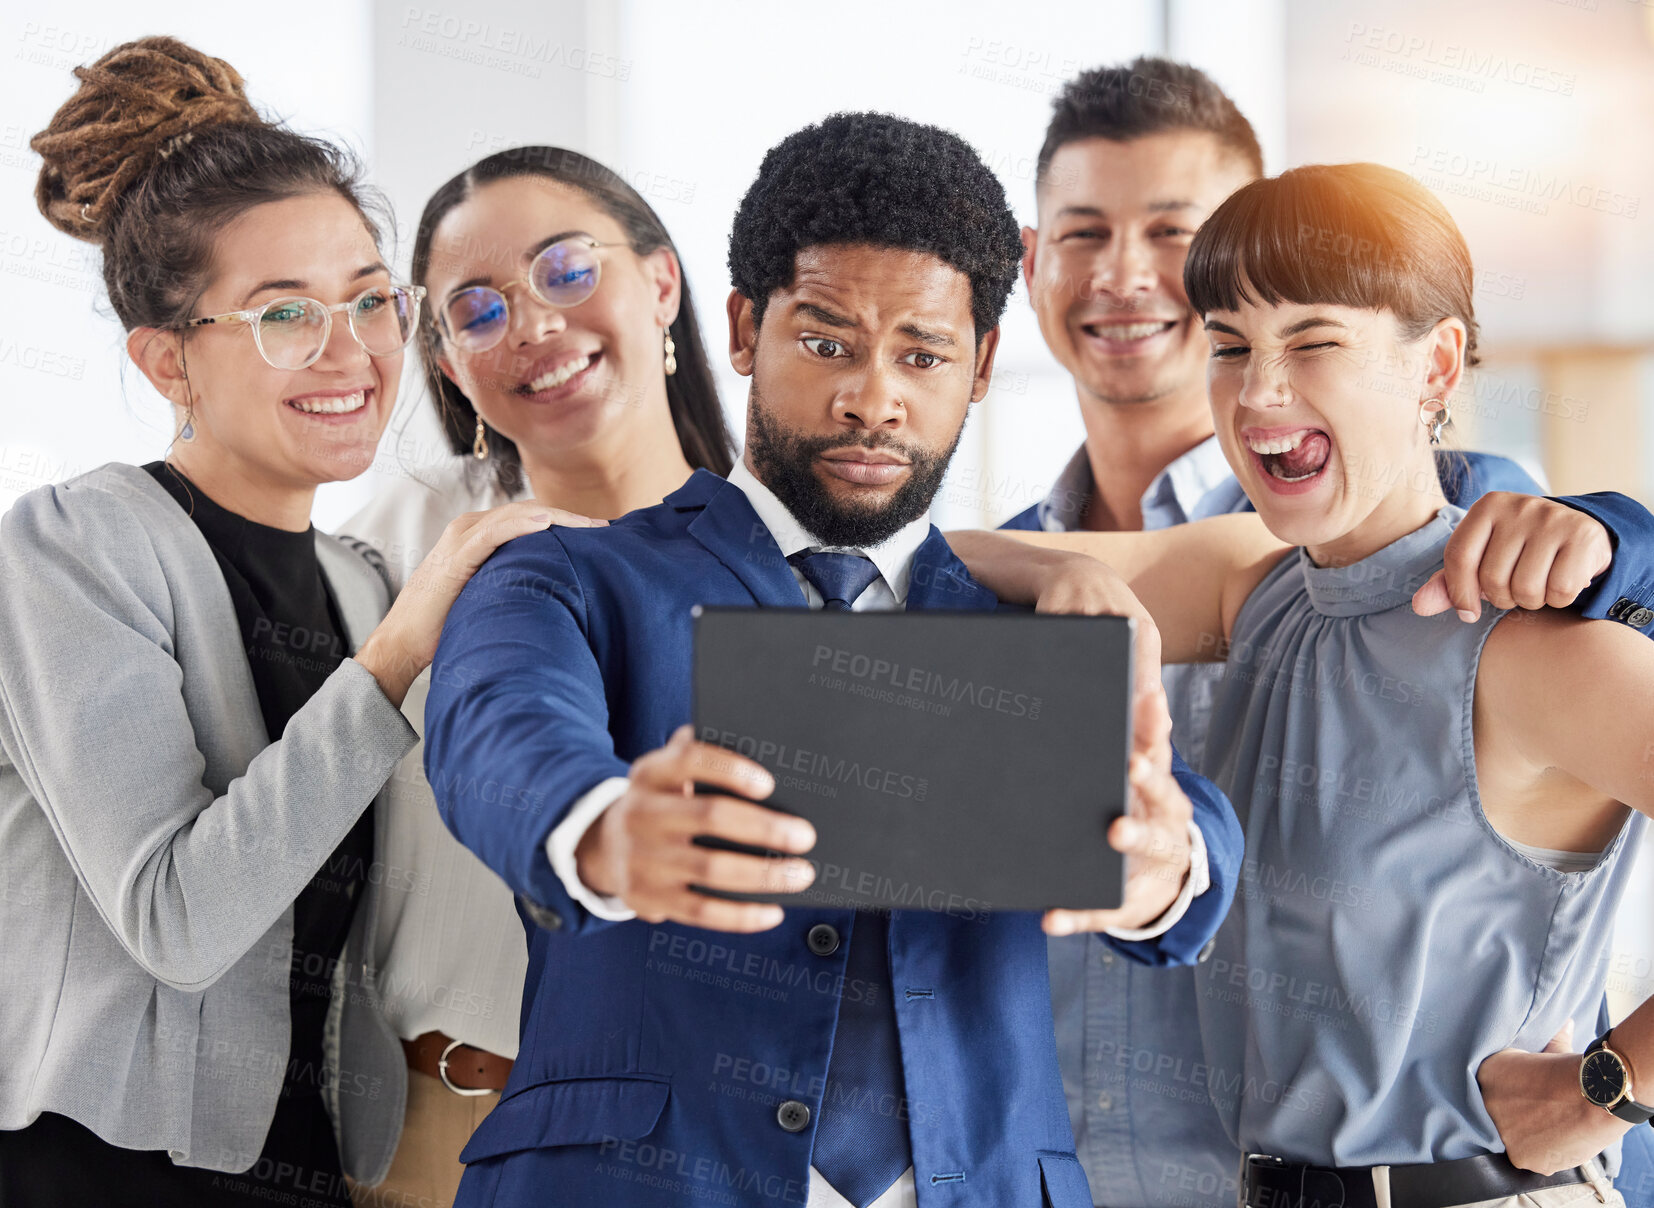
653, 1058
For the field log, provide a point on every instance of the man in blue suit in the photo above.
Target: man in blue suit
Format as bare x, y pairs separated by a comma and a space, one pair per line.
677, 1047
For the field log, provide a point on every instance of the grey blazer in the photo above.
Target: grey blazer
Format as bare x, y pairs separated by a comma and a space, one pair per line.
153, 837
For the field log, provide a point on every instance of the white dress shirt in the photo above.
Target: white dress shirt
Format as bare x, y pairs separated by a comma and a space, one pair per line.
894, 559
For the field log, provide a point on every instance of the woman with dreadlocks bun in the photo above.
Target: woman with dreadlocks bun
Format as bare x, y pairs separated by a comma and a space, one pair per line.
199, 694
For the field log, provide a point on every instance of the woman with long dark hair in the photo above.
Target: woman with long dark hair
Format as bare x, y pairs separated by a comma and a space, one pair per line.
564, 357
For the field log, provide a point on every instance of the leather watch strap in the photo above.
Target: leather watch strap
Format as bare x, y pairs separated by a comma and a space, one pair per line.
1632, 1112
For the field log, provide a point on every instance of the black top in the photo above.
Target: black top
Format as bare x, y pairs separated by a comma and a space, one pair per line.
294, 639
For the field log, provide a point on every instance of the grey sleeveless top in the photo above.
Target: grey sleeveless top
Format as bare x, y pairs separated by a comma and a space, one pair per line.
1384, 939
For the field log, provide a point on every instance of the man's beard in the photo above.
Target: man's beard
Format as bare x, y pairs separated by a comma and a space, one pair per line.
784, 461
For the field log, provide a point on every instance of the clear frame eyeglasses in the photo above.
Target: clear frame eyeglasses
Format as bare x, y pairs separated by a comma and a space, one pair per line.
564, 274
291, 333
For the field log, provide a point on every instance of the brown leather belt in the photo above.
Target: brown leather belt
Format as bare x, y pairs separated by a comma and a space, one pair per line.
459, 1067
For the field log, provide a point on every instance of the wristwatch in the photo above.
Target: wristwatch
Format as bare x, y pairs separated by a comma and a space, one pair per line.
1605, 1080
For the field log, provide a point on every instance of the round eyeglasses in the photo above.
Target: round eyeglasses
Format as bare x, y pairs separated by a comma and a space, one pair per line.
564, 274
292, 332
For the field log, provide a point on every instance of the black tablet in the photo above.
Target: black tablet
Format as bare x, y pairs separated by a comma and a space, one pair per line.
951, 761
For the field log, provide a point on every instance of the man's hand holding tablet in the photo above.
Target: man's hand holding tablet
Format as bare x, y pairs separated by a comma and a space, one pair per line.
642, 849
1153, 836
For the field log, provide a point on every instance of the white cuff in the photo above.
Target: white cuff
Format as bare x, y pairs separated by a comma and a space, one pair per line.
565, 838
1196, 883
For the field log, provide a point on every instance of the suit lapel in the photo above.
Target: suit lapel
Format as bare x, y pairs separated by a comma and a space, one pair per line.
731, 532
941, 582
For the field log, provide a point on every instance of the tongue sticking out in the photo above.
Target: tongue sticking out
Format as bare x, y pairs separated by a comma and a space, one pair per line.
1308, 458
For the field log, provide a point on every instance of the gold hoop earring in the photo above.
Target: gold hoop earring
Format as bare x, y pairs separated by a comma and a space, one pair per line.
1435, 420
187, 432
479, 447
671, 356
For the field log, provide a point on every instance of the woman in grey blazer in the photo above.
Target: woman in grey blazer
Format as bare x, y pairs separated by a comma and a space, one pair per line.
199, 694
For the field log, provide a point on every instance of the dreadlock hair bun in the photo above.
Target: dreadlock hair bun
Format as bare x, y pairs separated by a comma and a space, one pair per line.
156, 153
135, 106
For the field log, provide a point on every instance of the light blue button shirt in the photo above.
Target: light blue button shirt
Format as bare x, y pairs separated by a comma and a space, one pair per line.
1128, 1036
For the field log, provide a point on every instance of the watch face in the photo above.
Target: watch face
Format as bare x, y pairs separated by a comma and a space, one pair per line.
1602, 1078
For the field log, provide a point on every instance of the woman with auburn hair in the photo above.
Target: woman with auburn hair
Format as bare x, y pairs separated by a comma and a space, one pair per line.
1434, 848
198, 692
564, 357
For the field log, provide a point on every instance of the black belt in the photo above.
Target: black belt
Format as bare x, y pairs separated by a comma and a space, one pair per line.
1274, 1183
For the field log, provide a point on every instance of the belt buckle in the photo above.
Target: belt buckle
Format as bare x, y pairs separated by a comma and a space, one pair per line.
469, 1092
1262, 1159
1248, 1160
1267, 1160
1305, 1190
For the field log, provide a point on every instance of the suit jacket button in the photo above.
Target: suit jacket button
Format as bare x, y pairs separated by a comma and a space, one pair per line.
793, 1116
823, 939
1640, 617
549, 919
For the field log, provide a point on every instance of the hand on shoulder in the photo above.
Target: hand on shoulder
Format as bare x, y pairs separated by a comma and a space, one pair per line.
1516, 551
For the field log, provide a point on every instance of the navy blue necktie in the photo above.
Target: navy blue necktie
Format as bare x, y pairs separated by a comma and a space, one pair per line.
840, 578
861, 1143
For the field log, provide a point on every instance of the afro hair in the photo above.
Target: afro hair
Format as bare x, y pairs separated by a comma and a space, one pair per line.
874, 178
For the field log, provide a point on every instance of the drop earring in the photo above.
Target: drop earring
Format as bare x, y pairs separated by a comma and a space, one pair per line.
479, 447
1435, 420
187, 432
671, 356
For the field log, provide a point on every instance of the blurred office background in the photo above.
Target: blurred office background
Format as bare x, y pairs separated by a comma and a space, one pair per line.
1529, 118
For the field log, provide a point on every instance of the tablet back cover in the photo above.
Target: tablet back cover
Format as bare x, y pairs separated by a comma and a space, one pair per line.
961, 762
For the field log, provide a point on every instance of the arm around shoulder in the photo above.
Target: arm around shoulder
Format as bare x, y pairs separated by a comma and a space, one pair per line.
1187, 576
